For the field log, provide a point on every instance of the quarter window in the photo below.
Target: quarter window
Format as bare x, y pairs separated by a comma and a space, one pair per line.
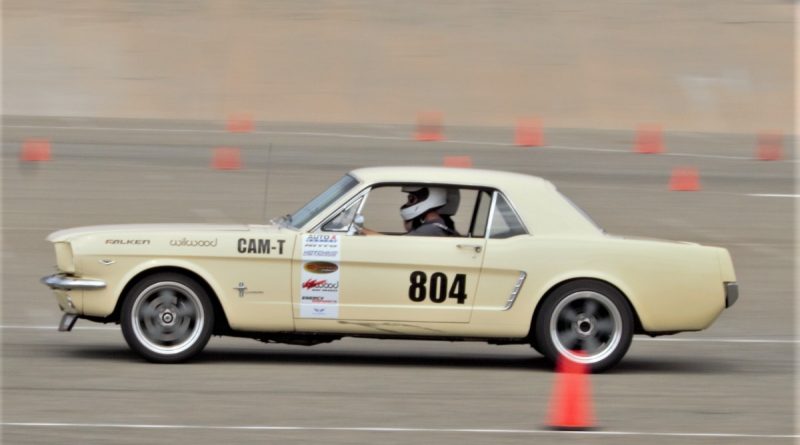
505, 222
342, 221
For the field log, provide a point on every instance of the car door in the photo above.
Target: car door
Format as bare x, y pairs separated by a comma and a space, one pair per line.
388, 278
409, 278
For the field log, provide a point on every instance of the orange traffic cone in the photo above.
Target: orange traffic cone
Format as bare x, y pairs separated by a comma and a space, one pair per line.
649, 139
429, 127
240, 123
458, 161
35, 150
770, 147
685, 179
571, 406
529, 133
226, 158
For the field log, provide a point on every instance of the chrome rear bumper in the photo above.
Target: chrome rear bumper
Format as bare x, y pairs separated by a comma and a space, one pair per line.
731, 293
61, 281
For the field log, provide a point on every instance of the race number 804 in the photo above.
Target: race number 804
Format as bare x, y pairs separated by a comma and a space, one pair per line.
436, 289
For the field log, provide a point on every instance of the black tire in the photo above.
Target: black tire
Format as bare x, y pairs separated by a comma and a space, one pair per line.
535, 344
167, 318
587, 316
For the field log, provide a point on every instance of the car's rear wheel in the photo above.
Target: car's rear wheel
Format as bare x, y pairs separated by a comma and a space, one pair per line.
167, 318
585, 321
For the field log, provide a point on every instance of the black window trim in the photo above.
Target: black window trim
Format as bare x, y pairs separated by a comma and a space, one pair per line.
366, 190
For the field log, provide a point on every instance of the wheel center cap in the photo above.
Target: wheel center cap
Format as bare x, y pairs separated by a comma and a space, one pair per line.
167, 318
584, 326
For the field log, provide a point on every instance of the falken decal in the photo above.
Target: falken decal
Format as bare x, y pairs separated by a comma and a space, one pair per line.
128, 241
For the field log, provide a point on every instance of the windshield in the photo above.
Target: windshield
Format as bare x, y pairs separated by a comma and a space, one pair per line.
321, 202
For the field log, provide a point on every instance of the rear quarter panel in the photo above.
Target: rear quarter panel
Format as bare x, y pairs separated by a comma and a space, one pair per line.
671, 286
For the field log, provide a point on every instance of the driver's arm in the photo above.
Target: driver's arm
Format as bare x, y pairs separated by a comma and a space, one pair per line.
366, 231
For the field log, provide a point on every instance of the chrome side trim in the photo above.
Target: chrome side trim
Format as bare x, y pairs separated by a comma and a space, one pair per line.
492, 205
61, 281
515, 292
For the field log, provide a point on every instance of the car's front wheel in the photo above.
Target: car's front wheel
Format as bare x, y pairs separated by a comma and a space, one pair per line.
585, 321
167, 318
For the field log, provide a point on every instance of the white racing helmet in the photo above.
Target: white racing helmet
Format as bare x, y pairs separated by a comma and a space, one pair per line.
453, 199
422, 199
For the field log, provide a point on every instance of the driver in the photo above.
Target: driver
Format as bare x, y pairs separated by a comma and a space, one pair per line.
421, 212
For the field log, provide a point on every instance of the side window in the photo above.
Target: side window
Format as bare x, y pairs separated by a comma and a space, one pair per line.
382, 209
342, 221
505, 222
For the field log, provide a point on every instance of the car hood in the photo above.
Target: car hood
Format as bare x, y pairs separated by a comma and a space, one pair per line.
71, 234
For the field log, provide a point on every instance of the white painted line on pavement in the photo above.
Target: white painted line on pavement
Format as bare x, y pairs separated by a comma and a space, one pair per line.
613, 150
576, 148
55, 328
333, 135
83, 128
208, 131
375, 137
494, 144
773, 195
636, 338
706, 156
717, 340
392, 430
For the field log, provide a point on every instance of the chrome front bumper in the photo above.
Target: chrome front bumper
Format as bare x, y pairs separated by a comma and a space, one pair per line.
67, 322
61, 281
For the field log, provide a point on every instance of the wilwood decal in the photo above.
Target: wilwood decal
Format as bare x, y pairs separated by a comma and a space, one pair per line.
185, 242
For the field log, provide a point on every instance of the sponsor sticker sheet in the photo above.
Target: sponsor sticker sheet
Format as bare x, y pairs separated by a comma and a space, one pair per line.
319, 279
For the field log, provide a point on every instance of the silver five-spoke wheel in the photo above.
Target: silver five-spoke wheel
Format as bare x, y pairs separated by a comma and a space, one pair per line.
167, 318
588, 322
585, 321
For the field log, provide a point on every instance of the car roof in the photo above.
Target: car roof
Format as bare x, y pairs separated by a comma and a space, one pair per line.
450, 175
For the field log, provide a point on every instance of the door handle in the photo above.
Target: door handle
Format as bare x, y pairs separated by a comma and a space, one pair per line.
476, 247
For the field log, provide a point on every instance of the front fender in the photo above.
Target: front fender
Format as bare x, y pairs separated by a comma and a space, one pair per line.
102, 302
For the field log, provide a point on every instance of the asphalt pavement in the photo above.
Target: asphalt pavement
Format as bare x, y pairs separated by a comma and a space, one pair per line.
734, 382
